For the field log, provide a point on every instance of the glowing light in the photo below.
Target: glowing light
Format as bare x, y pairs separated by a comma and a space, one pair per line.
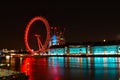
28, 63
54, 40
44, 46
7, 57
8, 64
104, 40
57, 51
104, 49
75, 50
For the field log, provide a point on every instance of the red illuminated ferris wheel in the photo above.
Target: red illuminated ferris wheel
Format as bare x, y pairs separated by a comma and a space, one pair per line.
41, 46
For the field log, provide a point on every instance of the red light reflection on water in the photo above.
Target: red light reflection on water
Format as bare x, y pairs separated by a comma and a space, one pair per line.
56, 78
54, 71
25, 67
39, 69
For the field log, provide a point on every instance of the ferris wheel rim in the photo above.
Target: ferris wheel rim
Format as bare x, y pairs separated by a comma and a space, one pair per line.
42, 19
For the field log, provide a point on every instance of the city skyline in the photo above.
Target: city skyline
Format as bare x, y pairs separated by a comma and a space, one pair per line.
82, 22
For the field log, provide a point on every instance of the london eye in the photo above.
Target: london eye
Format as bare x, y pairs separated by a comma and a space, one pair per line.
42, 46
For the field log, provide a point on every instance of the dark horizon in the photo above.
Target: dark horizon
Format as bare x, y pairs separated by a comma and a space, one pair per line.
82, 22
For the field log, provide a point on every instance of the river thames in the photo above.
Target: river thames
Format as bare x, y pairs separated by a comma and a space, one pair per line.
65, 68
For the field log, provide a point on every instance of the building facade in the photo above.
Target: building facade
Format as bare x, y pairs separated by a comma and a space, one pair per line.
85, 49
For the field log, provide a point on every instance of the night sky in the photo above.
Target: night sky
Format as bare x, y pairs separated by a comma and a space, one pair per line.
83, 22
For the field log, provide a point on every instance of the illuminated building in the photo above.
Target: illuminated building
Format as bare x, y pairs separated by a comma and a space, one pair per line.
93, 48
57, 46
57, 36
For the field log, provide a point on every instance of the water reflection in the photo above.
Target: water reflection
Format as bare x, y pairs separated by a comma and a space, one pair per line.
66, 68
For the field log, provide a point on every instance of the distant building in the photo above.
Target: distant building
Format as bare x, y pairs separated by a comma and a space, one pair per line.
90, 48
57, 36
